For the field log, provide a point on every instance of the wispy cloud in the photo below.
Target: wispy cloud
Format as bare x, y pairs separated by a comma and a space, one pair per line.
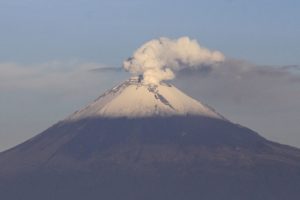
107, 69
54, 75
240, 68
265, 98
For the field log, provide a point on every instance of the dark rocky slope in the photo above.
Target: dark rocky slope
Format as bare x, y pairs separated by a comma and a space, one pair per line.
162, 158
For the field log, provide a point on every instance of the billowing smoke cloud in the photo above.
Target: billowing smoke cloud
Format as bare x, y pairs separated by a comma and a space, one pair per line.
157, 59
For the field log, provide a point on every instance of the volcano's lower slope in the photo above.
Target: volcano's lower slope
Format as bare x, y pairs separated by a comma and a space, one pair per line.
150, 158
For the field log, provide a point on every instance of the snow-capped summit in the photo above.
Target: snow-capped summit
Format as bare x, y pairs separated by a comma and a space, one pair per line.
136, 98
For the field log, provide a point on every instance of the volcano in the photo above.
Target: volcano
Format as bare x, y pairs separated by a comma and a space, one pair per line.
141, 141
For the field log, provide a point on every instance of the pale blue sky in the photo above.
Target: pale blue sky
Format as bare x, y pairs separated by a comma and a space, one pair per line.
48, 46
263, 31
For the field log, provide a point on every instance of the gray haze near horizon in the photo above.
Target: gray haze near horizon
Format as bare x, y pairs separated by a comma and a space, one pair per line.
263, 98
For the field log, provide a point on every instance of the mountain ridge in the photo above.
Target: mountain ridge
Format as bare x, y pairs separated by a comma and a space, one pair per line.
176, 156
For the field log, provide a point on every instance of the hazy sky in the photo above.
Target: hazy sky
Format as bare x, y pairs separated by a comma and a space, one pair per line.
48, 50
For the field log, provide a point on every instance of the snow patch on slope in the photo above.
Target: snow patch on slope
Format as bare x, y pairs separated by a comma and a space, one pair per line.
134, 98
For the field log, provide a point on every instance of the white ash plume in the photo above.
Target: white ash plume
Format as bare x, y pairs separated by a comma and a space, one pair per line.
157, 59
